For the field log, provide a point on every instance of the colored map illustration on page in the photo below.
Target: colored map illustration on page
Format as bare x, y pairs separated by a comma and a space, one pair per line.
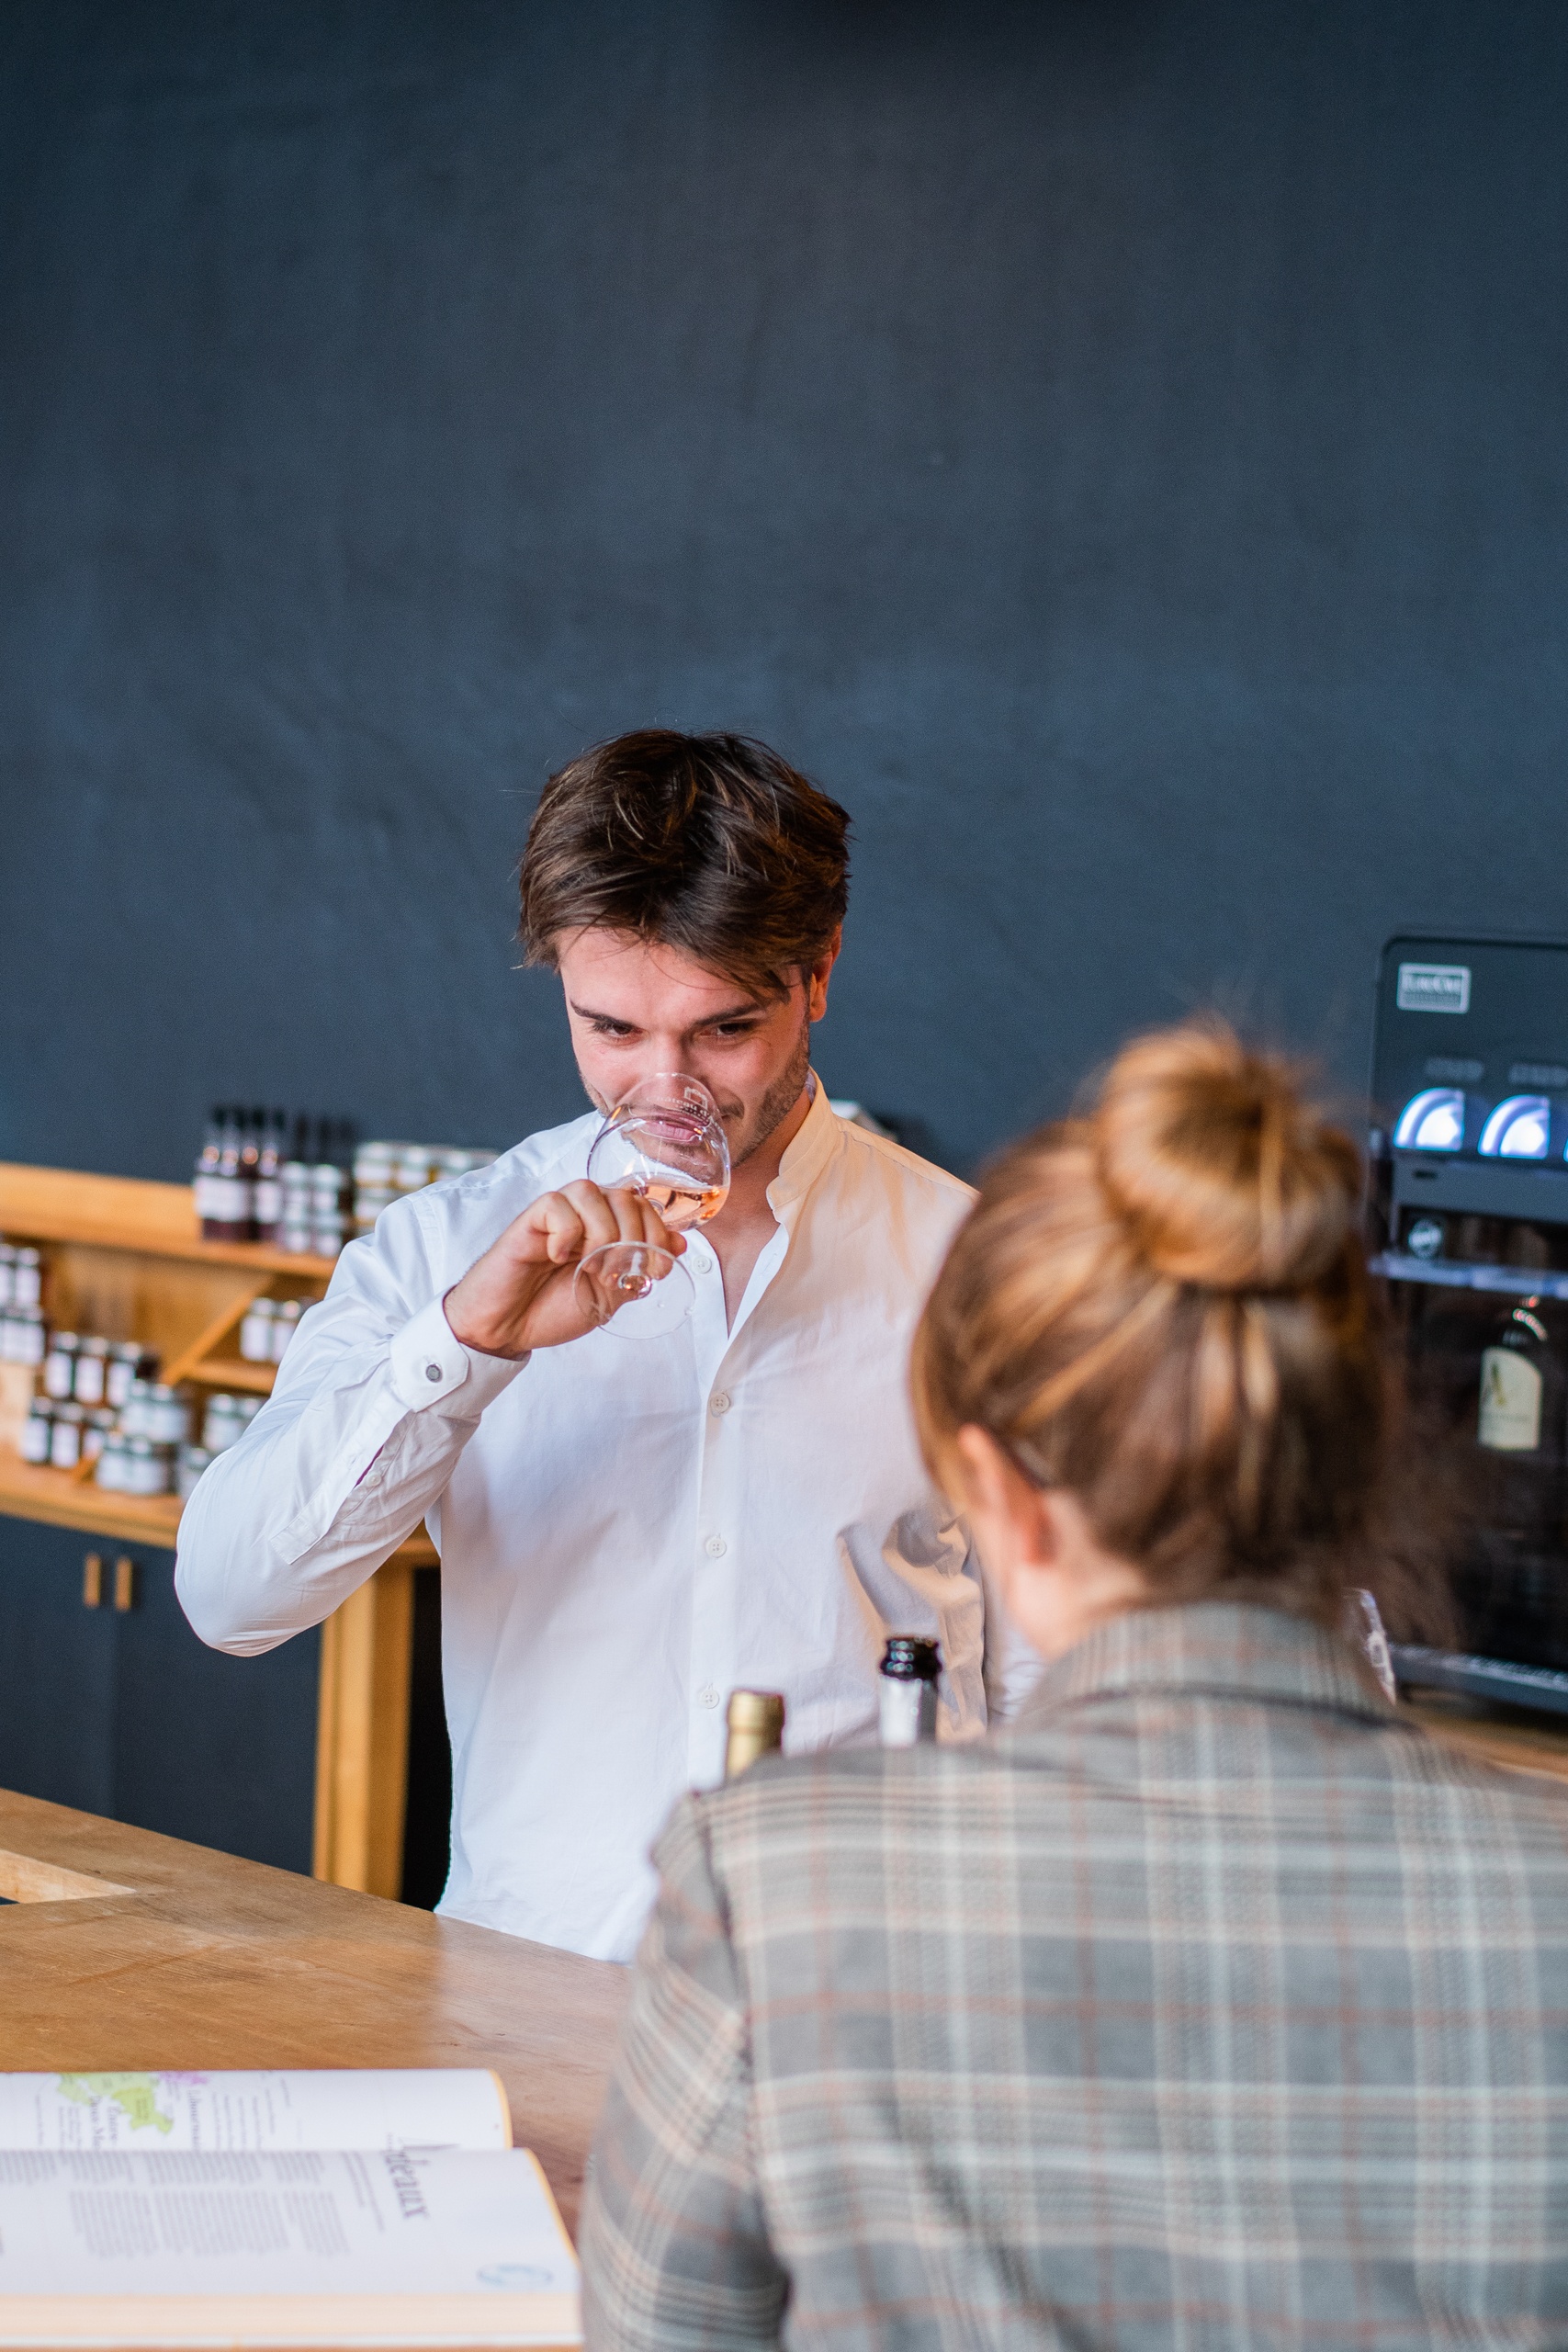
136, 2095
110, 2113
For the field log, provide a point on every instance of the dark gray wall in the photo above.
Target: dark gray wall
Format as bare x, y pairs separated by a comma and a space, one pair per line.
1119, 449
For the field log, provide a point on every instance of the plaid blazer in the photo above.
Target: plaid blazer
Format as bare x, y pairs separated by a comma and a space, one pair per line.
1207, 2005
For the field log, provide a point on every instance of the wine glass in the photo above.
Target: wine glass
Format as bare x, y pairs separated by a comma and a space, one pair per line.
666, 1141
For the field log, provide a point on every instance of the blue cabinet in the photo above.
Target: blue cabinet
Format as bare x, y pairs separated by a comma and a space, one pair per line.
125, 1713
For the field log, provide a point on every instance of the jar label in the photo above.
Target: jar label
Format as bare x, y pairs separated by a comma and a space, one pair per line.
1510, 1402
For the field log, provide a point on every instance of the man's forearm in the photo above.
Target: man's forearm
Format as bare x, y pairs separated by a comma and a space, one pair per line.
359, 1441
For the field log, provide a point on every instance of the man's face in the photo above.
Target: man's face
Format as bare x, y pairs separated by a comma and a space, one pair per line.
636, 1009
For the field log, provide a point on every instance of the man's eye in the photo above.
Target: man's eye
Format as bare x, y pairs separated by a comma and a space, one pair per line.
614, 1029
734, 1028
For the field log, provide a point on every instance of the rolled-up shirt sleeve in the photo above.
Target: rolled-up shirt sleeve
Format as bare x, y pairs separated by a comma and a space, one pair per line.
373, 1405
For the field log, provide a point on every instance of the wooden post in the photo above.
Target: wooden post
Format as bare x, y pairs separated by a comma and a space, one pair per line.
363, 1734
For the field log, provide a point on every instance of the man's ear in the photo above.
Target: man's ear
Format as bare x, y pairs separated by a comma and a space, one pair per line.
819, 974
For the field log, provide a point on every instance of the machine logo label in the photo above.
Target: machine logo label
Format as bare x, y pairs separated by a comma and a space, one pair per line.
1433, 988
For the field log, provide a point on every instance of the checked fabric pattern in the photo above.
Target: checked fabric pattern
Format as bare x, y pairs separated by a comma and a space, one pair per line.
1209, 2005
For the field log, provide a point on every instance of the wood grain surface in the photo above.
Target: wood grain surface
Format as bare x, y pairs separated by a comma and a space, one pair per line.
193, 1958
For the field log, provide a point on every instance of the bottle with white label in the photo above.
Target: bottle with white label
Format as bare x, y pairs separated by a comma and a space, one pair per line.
208, 1199
267, 1201
224, 1198
907, 1711
1519, 1422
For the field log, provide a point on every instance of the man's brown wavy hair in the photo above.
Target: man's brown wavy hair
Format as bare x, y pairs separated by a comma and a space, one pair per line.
709, 843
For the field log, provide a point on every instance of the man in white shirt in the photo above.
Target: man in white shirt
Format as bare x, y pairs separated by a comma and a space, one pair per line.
628, 1529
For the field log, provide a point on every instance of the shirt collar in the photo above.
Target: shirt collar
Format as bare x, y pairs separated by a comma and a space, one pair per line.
1231, 1648
807, 1153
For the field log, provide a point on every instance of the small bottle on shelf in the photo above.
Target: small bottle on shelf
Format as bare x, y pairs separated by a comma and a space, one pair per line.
206, 1200
227, 1193
267, 1200
251, 1126
26, 1279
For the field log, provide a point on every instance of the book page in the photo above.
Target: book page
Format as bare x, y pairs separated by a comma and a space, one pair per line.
326, 2107
120, 2243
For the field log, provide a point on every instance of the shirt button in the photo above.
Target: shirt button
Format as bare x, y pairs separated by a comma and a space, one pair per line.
707, 1696
716, 1547
720, 1404
433, 1371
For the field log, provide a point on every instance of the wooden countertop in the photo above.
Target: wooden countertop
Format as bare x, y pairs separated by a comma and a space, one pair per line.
128, 1951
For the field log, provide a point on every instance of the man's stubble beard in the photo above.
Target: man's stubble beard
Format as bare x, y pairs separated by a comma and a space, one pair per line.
775, 1105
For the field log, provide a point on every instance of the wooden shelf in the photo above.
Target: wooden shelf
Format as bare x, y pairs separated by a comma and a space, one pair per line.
126, 1213
232, 1371
28, 1490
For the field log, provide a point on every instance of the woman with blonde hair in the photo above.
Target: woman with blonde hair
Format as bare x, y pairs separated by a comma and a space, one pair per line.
1208, 2003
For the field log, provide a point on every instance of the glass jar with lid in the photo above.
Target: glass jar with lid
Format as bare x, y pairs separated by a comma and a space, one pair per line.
65, 1436
128, 1362
225, 1422
92, 1371
37, 1431
284, 1323
97, 1428
155, 1412
60, 1365
26, 1279
256, 1331
148, 1468
191, 1460
28, 1336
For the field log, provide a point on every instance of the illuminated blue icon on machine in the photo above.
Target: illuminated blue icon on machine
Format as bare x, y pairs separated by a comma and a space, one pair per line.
1432, 1121
1519, 1128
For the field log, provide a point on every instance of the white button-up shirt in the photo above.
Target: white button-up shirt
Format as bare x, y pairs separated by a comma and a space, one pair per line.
628, 1529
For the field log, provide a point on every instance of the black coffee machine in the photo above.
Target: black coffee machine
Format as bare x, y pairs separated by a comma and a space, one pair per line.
1470, 1227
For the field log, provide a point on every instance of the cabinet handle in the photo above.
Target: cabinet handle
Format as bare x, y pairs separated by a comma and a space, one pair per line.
124, 1585
93, 1581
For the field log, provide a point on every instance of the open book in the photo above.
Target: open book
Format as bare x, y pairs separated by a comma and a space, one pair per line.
275, 2208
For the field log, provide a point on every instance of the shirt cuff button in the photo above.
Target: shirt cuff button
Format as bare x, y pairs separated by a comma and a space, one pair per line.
433, 1371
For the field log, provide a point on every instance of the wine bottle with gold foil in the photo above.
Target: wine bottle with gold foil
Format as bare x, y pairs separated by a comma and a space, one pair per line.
755, 1719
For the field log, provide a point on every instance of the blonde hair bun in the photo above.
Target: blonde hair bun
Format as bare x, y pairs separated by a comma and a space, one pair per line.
1221, 1172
